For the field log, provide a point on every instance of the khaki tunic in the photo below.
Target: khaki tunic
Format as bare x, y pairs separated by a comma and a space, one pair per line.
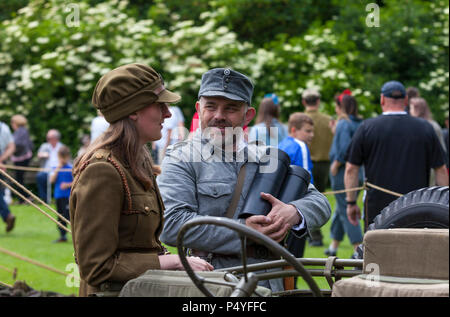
115, 224
323, 136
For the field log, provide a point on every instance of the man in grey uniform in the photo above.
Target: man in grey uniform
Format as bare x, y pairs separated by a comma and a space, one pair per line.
199, 176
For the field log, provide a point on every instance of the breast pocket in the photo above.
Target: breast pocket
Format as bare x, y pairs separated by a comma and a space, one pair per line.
214, 198
148, 220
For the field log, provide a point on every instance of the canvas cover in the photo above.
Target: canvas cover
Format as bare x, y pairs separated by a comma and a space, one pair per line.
361, 286
164, 283
417, 253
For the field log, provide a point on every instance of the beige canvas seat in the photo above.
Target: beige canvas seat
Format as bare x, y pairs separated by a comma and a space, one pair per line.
163, 283
401, 262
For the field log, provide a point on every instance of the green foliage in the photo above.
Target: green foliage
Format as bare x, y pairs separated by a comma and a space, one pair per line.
49, 64
319, 59
52, 82
411, 45
8, 8
260, 21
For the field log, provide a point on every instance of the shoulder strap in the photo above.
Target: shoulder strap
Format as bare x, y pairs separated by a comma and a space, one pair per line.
237, 192
105, 155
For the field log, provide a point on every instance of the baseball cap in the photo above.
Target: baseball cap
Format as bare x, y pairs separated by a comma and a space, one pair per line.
393, 89
228, 83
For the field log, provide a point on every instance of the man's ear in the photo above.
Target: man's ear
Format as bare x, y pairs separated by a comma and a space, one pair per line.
249, 115
197, 106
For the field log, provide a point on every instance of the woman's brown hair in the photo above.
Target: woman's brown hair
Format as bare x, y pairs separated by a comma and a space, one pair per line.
121, 138
267, 111
349, 105
421, 108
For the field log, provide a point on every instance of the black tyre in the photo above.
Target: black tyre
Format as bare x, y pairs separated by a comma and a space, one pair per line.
422, 208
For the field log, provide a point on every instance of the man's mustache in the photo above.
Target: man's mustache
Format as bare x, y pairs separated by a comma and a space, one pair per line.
219, 124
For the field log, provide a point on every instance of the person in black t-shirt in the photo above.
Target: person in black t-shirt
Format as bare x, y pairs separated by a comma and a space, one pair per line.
397, 152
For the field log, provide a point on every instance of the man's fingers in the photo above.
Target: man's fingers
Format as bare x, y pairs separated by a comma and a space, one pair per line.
273, 228
258, 220
280, 234
269, 198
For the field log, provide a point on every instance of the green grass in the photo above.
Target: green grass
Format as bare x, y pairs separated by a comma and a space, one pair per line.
33, 235
32, 238
345, 250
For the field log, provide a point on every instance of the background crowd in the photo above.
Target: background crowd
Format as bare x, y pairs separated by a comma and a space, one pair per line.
313, 140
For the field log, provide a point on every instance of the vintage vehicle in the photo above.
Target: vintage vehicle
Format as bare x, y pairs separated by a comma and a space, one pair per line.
405, 254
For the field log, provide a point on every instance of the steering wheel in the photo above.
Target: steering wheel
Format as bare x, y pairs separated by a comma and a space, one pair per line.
248, 283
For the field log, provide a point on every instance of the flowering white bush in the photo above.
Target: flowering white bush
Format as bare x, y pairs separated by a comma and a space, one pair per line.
53, 52
48, 69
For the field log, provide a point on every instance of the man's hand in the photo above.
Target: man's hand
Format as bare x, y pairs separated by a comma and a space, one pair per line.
334, 169
280, 210
279, 220
353, 214
266, 226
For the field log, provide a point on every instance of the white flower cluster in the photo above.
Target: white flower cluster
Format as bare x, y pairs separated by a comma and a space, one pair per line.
63, 63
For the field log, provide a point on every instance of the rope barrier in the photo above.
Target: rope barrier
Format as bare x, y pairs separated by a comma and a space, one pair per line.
34, 196
44, 266
343, 191
34, 169
365, 186
383, 189
34, 205
5, 285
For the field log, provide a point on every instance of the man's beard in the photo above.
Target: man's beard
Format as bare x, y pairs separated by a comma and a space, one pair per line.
222, 134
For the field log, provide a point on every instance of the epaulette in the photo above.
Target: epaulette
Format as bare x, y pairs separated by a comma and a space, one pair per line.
101, 155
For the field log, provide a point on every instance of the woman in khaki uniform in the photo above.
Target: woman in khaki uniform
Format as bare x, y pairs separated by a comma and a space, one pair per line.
116, 210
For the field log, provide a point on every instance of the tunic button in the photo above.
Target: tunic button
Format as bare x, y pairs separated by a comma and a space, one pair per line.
226, 72
147, 208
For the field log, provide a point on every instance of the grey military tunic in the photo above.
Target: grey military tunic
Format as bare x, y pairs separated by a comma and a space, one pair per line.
196, 182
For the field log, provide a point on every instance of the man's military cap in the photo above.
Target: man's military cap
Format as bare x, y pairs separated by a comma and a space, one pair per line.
228, 83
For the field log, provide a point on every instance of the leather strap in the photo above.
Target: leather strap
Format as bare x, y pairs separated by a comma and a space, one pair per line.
237, 192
